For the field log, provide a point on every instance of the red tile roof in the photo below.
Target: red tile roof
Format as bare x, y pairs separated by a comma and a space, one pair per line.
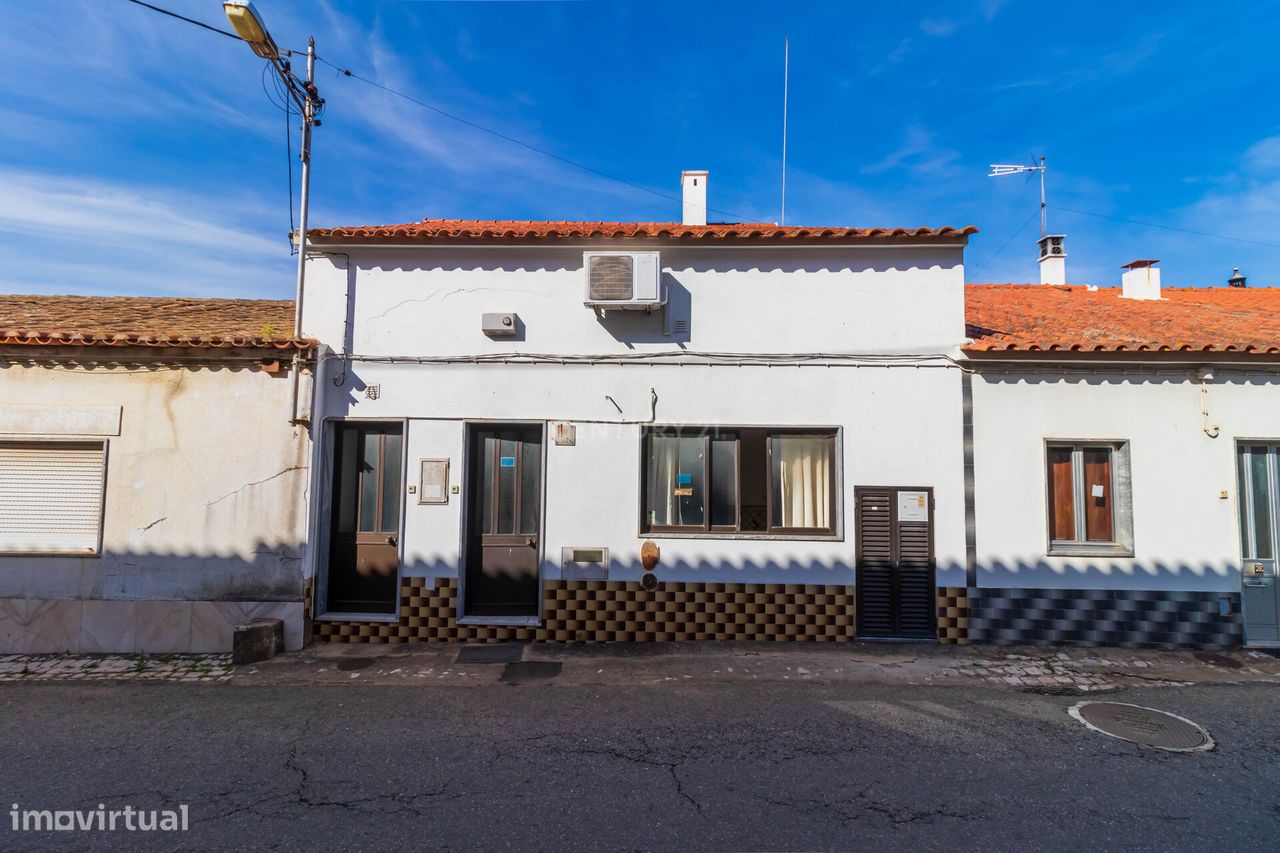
148, 321
1074, 318
452, 230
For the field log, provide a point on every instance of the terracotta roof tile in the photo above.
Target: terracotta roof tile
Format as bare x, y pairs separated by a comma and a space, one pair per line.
1074, 318
449, 230
148, 321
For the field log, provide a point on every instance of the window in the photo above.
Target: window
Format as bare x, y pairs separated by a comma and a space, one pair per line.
51, 496
1088, 492
735, 481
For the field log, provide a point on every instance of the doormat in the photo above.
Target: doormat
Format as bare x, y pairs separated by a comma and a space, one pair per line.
491, 653
530, 670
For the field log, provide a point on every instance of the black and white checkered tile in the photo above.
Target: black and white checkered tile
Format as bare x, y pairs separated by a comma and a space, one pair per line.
1131, 618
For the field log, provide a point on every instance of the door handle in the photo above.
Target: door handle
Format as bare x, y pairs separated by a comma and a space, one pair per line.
391, 540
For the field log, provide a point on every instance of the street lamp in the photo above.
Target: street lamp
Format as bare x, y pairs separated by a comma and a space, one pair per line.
248, 25
245, 21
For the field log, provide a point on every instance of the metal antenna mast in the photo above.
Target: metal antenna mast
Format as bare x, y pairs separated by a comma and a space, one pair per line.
786, 68
997, 170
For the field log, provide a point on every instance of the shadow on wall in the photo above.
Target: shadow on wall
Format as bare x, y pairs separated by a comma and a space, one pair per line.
1083, 573
1048, 375
274, 572
639, 327
747, 571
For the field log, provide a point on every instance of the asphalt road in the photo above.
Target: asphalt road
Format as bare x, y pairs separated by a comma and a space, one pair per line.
682, 767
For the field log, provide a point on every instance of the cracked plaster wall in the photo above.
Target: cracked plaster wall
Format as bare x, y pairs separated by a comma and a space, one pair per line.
205, 490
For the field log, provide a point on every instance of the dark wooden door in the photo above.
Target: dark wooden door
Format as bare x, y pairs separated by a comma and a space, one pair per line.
364, 547
504, 517
896, 566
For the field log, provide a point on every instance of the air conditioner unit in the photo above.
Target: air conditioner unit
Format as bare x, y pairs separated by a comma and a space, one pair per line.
628, 281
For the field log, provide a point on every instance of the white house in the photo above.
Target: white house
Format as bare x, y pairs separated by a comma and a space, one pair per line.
607, 431
1123, 474
152, 487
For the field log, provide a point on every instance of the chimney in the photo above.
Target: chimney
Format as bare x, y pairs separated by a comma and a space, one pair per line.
1237, 280
1053, 259
1141, 280
694, 185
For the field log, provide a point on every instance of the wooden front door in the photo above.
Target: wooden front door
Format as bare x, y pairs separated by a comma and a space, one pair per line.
896, 566
504, 519
364, 548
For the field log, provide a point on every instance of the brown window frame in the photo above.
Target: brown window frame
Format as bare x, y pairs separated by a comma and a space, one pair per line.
708, 433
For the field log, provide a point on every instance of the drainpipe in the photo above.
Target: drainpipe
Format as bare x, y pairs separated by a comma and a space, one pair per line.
1211, 430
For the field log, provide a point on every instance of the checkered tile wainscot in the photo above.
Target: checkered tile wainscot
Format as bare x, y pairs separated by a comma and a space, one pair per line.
621, 611
953, 615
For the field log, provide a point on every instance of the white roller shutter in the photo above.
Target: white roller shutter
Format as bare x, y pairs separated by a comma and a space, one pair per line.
51, 496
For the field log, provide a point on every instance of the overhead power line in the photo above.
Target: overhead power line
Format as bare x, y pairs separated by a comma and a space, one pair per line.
229, 35
513, 140
1168, 227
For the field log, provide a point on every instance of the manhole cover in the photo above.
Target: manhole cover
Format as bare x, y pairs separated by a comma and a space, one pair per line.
348, 664
1144, 726
530, 670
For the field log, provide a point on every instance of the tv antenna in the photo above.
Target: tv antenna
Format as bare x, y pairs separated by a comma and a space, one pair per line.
786, 68
999, 170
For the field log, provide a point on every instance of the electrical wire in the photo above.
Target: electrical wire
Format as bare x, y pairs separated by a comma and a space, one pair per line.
1006, 243
345, 72
188, 20
1168, 227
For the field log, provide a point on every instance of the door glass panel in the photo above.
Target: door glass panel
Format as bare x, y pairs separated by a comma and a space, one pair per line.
489, 455
347, 478
724, 482
1097, 495
530, 486
508, 459
370, 445
391, 483
1260, 494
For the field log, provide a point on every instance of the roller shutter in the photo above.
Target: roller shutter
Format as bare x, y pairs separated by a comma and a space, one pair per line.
51, 496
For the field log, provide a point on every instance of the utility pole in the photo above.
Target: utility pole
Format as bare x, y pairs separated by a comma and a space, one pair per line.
308, 119
248, 25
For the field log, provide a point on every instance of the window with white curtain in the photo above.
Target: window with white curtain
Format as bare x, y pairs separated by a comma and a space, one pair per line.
740, 481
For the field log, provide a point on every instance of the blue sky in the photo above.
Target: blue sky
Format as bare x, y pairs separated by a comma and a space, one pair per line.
140, 155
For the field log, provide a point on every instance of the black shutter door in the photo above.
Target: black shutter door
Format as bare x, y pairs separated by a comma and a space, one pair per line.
895, 577
875, 563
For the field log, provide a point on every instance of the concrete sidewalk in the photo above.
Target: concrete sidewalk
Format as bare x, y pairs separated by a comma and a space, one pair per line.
1076, 670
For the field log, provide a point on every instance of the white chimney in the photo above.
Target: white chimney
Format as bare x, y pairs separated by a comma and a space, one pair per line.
1141, 280
1053, 259
694, 185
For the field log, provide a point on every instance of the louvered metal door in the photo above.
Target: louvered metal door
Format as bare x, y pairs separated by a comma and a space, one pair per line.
895, 575
51, 496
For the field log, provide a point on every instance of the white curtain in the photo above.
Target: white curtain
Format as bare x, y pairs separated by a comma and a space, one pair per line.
664, 460
802, 482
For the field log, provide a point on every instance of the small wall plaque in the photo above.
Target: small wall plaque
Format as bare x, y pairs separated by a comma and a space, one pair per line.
433, 484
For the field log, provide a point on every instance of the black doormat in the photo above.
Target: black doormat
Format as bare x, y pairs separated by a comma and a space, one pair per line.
530, 670
490, 653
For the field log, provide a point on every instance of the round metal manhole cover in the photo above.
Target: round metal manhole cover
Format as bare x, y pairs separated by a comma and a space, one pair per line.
1143, 726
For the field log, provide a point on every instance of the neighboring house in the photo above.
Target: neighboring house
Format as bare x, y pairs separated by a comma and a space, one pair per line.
635, 431
152, 487
1125, 480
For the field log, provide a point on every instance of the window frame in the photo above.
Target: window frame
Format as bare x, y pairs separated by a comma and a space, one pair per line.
105, 445
835, 531
1120, 485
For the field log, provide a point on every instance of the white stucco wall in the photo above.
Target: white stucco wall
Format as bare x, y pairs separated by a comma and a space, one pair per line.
900, 425
1186, 537
205, 484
